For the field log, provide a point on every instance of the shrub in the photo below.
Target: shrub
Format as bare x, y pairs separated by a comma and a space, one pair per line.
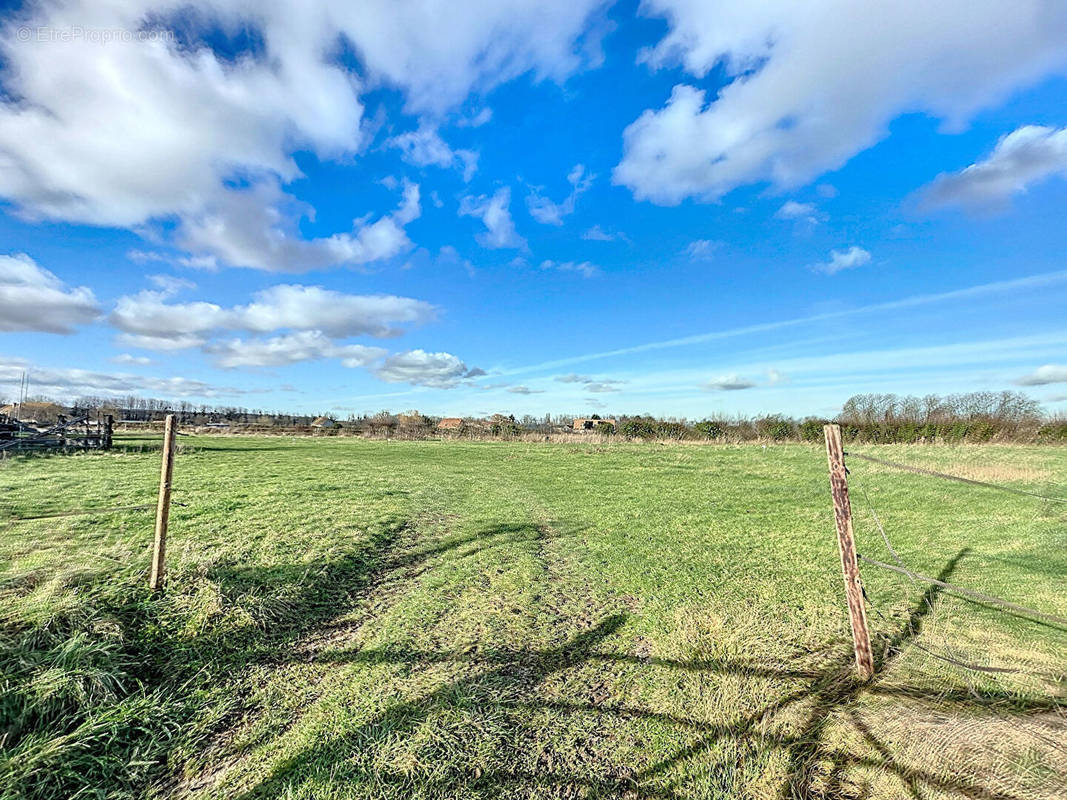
638, 428
1054, 431
774, 427
811, 429
710, 429
671, 430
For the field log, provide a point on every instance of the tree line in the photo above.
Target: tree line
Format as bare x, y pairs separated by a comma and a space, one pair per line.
886, 418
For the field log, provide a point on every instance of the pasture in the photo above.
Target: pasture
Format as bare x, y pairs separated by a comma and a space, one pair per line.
348, 618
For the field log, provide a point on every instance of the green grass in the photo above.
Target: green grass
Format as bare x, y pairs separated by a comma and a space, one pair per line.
374, 619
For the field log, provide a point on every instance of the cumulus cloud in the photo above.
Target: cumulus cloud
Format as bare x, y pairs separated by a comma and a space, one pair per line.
583, 268
548, 212
33, 299
66, 384
524, 390
791, 112
1024, 157
424, 147
151, 314
495, 213
599, 387
249, 228
805, 212
843, 259
291, 348
155, 127
436, 370
729, 383
1044, 375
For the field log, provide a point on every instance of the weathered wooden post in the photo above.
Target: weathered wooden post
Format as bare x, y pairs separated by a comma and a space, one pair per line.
159, 551
846, 544
109, 430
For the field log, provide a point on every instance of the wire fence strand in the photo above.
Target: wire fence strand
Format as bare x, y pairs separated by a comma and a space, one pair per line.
971, 593
958, 478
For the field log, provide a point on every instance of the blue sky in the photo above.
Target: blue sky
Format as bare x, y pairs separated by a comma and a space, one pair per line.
683, 208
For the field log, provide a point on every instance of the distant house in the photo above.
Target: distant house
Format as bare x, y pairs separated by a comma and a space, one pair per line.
323, 422
591, 424
450, 424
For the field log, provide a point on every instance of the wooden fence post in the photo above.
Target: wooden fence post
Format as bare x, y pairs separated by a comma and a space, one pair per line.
159, 551
846, 544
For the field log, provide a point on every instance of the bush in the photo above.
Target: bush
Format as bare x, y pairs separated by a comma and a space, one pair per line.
709, 429
811, 429
671, 430
1054, 431
639, 428
774, 427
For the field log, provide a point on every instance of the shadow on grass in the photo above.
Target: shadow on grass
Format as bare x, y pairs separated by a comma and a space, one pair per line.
828, 693
125, 699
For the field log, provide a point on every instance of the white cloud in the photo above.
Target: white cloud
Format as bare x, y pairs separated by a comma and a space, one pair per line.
33, 299
702, 249
294, 307
843, 259
583, 268
591, 384
600, 387
424, 147
729, 383
546, 211
495, 213
598, 234
524, 390
249, 228
1024, 157
792, 112
335, 313
291, 348
436, 370
574, 378
1044, 375
791, 209
477, 121
775, 377
66, 384
126, 358
130, 131
171, 284
164, 343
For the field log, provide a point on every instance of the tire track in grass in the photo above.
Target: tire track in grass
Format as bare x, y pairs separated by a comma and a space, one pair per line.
571, 745
393, 573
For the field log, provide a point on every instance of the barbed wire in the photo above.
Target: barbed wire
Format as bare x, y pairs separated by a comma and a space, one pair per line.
960, 479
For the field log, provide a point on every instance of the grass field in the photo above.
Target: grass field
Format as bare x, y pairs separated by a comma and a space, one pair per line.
375, 619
